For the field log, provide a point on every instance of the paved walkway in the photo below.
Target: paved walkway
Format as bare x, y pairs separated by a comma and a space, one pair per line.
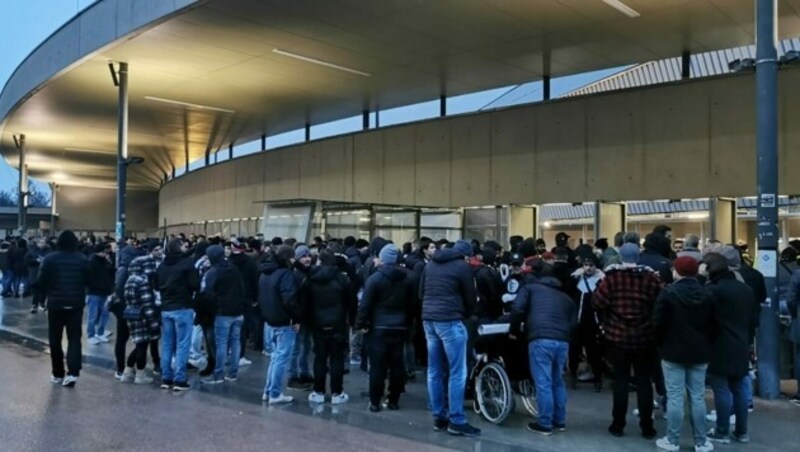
774, 424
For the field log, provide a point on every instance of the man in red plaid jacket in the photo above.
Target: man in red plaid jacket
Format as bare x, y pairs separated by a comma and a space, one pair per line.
624, 303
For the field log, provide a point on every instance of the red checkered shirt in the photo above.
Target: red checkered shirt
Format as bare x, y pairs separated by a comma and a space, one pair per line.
624, 302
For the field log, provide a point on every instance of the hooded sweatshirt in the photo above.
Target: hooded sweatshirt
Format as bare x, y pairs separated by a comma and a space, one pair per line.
447, 289
327, 299
389, 299
223, 285
277, 292
177, 280
685, 323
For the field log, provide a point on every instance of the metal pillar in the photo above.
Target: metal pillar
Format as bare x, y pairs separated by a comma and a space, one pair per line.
122, 149
768, 343
230, 151
443, 105
263, 142
686, 65
546, 87
53, 211
23, 188
377, 118
365, 119
546, 60
208, 158
308, 131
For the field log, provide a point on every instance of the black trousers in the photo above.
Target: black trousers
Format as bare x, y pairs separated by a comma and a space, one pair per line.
38, 299
211, 344
586, 338
386, 357
642, 364
123, 334
57, 321
138, 357
329, 352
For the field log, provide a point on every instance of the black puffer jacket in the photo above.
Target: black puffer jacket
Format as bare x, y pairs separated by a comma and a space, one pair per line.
63, 278
33, 260
327, 299
101, 276
685, 322
389, 299
547, 311
490, 291
447, 289
248, 270
222, 285
737, 316
277, 293
177, 280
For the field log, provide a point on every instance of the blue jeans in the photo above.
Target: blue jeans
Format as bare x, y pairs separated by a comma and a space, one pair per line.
678, 379
282, 342
228, 331
730, 394
7, 277
98, 315
447, 343
176, 341
196, 351
19, 283
298, 363
268, 339
548, 360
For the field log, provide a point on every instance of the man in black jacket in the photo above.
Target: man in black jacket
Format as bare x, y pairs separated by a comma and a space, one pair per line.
33, 260
177, 281
277, 298
448, 298
685, 326
222, 285
248, 269
550, 317
737, 313
385, 311
328, 305
299, 372
101, 286
63, 278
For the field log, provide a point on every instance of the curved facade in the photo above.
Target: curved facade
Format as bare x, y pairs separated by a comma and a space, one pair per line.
684, 140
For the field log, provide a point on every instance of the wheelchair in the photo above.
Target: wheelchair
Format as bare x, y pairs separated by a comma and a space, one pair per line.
501, 373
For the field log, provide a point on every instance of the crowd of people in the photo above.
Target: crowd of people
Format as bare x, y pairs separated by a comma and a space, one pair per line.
662, 322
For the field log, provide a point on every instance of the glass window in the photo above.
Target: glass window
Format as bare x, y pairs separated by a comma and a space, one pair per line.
286, 221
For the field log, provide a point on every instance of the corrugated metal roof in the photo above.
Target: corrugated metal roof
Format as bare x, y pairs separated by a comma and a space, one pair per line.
705, 64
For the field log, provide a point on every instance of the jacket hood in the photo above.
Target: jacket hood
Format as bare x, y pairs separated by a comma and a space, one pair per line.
172, 259
215, 254
239, 258
324, 273
270, 266
688, 291
447, 255
577, 274
548, 281
352, 252
377, 245
392, 272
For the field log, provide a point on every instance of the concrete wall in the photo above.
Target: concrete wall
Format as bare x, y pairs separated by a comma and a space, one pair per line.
92, 209
685, 140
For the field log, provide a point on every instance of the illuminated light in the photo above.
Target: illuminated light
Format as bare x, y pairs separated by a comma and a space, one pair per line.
546, 224
623, 8
188, 104
697, 216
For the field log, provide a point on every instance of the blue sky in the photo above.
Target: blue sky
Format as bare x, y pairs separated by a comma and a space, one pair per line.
29, 22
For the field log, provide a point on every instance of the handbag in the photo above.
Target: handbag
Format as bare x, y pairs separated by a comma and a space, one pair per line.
132, 313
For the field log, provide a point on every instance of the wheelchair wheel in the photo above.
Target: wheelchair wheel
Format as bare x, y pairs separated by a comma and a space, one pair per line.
494, 394
527, 392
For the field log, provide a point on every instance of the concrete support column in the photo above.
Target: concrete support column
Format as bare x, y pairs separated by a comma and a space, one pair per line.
523, 220
365, 119
686, 65
22, 223
722, 213
609, 218
122, 150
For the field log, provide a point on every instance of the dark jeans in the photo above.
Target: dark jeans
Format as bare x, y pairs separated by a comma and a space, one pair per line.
730, 398
249, 327
123, 334
58, 320
386, 357
642, 364
329, 348
586, 339
38, 299
211, 343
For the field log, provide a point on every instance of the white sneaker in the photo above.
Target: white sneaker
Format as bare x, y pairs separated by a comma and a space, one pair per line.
281, 399
69, 381
107, 334
316, 397
128, 376
93, 340
712, 416
142, 378
264, 398
102, 339
707, 447
56, 380
244, 361
338, 399
665, 444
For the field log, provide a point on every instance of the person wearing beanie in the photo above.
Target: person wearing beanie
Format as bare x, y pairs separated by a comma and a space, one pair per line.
299, 371
448, 298
101, 286
737, 314
328, 307
416, 350
248, 269
358, 346
177, 280
386, 311
63, 279
624, 302
277, 299
684, 321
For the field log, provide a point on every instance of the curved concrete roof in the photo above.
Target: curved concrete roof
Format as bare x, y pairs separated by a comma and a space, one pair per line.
205, 73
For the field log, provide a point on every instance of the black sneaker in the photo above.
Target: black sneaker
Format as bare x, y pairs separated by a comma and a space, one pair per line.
649, 433
559, 427
34, 310
536, 428
166, 384
191, 368
440, 425
463, 430
180, 386
616, 431
391, 406
374, 408
296, 383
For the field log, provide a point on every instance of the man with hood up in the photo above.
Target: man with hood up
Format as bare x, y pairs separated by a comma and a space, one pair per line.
358, 347
448, 298
329, 305
277, 298
177, 280
222, 285
63, 278
386, 311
